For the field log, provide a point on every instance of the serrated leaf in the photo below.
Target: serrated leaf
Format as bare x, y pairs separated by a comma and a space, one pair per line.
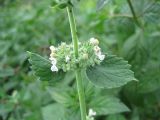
105, 105
149, 10
41, 66
101, 4
146, 10
111, 73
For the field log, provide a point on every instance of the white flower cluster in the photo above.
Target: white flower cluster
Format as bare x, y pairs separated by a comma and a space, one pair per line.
97, 49
91, 114
53, 59
62, 57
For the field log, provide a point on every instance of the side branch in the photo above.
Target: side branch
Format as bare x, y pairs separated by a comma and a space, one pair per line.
133, 12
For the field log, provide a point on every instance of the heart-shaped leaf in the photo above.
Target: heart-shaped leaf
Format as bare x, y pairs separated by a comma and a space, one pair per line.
111, 73
42, 68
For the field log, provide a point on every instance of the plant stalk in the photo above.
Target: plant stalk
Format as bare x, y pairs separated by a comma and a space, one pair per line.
79, 79
133, 12
73, 30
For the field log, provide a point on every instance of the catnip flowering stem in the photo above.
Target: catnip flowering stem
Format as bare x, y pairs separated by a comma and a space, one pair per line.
73, 29
79, 80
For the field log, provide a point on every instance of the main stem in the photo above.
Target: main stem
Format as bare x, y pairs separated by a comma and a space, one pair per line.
78, 71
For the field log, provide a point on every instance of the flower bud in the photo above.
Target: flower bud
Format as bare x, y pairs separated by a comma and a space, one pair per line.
52, 54
79, 43
54, 61
94, 41
97, 49
101, 57
54, 68
91, 113
52, 48
63, 44
85, 56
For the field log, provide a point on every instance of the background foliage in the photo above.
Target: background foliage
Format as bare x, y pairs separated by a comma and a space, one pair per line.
34, 26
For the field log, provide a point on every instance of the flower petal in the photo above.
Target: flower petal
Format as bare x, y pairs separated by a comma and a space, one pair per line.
54, 68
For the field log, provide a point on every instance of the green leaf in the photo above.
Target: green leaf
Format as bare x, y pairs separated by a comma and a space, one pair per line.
142, 53
135, 50
6, 72
116, 117
4, 46
41, 66
111, 73
69, 99
101, 4
59, 95
105, 105
53, 112
62, 5
53, 3
148, 10
149, 79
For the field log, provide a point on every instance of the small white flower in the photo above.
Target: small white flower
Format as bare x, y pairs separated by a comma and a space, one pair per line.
101, 57
85, 56
67, 58
52, 54
91, 113
54, 68
63, 44
98, 53
79, 43
97, 49
53, 60
94, 41
52, 48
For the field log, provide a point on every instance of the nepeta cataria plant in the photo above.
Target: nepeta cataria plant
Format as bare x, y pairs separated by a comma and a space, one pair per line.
102, 69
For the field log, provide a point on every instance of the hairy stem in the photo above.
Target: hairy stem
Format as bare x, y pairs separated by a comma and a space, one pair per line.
73, 30
79, 79
81, 94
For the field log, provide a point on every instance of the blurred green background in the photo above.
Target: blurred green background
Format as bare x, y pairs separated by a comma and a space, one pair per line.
27, 25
